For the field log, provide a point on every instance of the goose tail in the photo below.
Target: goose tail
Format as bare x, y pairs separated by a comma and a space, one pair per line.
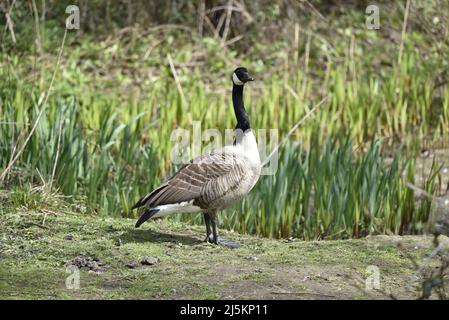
146, 215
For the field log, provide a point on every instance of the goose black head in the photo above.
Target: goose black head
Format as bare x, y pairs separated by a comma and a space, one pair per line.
241, 76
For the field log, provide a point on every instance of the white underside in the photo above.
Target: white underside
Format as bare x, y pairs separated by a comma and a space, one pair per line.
183, 207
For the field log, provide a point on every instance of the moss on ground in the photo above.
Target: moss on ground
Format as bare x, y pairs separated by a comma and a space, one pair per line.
34, 258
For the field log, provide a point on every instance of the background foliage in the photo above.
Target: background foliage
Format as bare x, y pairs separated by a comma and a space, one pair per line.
103, 138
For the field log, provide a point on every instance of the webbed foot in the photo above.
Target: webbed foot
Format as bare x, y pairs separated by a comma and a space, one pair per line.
228, 243
209, 239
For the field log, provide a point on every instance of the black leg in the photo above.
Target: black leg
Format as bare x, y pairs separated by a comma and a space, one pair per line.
213, 220
227, 243
208, 232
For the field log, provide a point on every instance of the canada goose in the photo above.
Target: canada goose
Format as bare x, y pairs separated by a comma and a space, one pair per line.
213, 181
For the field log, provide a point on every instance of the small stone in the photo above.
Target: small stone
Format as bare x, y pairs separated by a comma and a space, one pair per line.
149, 261
131, 265
425, 153
68, 237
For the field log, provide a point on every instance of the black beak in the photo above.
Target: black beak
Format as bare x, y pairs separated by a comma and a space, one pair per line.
248, 78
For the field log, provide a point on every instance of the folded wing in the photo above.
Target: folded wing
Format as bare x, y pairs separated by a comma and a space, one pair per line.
204, 179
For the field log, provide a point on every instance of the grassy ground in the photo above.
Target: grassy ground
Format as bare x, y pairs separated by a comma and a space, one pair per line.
36, 248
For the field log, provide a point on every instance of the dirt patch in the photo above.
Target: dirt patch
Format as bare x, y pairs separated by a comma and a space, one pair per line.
289, 282
85, 262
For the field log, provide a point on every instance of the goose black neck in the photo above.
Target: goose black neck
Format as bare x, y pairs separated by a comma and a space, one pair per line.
239, 108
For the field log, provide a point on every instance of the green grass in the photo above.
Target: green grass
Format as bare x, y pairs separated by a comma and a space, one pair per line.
34, 256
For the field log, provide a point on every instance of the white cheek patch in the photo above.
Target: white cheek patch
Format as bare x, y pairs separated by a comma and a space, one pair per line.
236, 80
